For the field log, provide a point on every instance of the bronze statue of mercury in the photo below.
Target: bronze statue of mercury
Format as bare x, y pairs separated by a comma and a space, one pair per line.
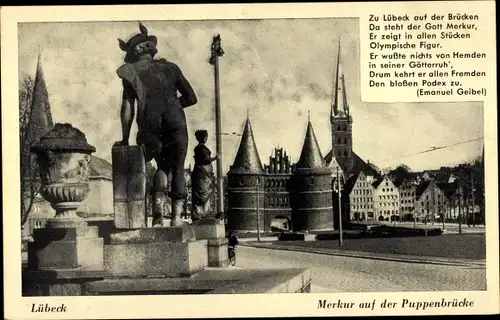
161, 92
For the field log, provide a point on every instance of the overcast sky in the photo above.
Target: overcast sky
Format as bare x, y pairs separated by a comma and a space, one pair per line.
276, 69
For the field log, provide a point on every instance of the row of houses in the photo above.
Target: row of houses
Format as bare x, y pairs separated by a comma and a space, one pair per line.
418, 197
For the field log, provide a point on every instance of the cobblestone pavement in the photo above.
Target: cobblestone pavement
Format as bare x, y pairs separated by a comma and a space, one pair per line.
349, 274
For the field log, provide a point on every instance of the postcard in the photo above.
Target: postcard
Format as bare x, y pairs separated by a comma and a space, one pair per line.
309, 159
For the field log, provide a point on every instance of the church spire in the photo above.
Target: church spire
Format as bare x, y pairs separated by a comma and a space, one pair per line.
40, 120
310, 157
340, 107
247, 160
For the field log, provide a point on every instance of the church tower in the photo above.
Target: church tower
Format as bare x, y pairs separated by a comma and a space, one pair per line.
341, 120
246, 186
39, 123
40, 119
312, 190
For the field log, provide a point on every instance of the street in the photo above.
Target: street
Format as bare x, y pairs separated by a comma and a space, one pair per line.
345, 274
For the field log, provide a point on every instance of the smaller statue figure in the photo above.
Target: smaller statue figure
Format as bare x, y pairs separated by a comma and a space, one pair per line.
202, 177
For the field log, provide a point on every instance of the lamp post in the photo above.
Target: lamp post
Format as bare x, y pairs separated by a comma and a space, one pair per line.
442, 210
214, 60
473, 190
414, 207
257, 209
459, 210
339, 190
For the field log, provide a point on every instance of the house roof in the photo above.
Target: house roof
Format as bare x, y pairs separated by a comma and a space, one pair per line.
377, 182
349, 184
398, 181
100, 168
421, 188
449, 189
353, 165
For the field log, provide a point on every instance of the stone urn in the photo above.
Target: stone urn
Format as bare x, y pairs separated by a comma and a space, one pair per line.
63, 156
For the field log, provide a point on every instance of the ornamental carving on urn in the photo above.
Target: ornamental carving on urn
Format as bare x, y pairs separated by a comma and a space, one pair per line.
63, 155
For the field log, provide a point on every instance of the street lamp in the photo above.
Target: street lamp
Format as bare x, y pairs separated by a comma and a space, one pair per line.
414, 191
338, 188
473, 190
257, 209
216, 52
460, 210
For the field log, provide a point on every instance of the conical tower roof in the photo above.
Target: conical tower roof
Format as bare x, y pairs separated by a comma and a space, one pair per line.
40, 121
247, 160
310, 157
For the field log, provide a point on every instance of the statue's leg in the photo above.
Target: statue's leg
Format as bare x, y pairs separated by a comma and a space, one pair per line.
178, 194
160, 187
195, 214
127, 117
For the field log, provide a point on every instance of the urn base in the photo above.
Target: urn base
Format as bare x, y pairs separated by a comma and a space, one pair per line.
66, 216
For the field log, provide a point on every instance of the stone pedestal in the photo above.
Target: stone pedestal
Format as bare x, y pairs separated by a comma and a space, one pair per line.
210, 281
217, 253
213, 231
209, 229
66, 248
163, 251
183, 233
60, 282
129, 186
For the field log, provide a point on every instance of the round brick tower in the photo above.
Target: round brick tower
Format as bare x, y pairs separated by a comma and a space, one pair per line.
246, 186
312, 208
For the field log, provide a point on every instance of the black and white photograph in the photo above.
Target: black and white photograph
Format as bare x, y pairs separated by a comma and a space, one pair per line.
244, 133
237, 157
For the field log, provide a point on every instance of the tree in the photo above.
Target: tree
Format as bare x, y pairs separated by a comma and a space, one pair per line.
30, 180
374, 167
404, 168
385, 171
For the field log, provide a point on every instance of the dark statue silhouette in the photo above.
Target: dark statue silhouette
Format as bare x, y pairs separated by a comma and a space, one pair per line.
162, 129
